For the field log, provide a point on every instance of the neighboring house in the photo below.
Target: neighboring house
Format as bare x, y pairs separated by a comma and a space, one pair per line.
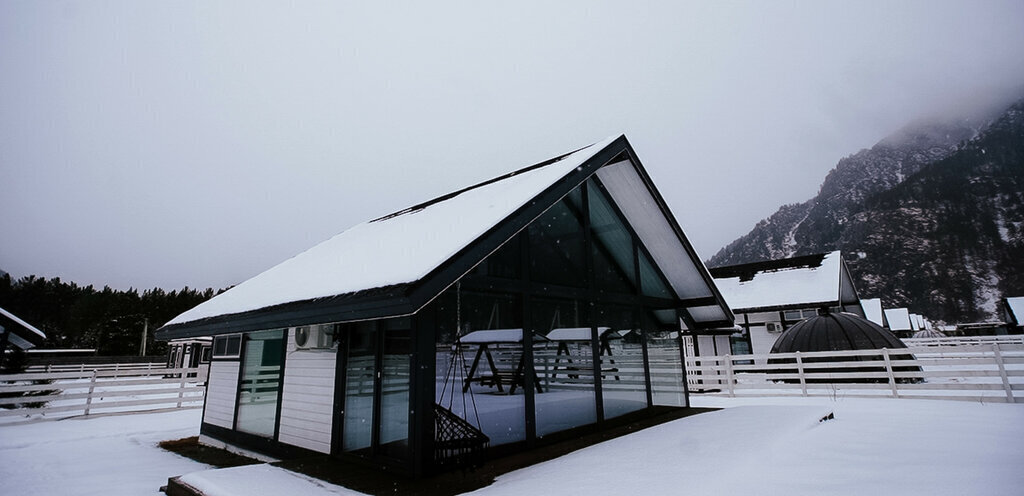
16, 333
769, 297
873, 311
899, 322
189, 352
418, 340
1013, 313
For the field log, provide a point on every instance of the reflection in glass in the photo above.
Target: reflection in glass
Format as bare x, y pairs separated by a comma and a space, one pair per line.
650, 282
623, 384
261, 383
564, 366
483, 396
360, 354
557, 246
663, 350
394, 401
612, 245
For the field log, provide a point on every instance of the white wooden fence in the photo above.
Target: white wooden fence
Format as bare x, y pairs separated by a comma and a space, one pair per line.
127, 368
981, 372
90, 392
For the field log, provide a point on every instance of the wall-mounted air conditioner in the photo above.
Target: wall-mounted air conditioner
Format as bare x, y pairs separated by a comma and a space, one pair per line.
314, 337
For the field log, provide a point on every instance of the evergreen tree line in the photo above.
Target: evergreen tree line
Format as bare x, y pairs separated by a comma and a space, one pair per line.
109, 320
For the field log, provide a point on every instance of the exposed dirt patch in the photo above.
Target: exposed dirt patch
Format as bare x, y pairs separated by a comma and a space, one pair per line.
189, 447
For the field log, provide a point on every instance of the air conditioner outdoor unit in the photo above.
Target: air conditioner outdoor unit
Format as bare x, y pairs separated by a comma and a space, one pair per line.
774, 328
314, 337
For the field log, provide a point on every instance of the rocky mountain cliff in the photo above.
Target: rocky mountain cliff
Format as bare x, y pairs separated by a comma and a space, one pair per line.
931, 218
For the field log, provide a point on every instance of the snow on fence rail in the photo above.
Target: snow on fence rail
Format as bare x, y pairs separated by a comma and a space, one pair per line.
989, 373
36, 396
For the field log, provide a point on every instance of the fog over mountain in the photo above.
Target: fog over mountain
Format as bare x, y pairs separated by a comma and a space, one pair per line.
931, 217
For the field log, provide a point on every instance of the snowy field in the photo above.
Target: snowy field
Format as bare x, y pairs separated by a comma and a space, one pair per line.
753, 446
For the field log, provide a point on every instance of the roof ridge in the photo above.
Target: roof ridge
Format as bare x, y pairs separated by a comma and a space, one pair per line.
448, 196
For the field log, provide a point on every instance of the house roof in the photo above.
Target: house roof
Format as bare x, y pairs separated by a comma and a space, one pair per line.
899, 319
395, 264
873, 310
805, 281
22, 334
836, 332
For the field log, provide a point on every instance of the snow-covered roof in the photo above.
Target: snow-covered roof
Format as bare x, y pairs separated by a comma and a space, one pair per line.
807, 280
873, 310
396, 264
399, 248
1015, 306
578, 333
22, 334
899, 319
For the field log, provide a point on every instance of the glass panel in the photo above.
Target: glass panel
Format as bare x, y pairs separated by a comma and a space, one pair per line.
651, 283
505, 262
261, 382
234, 345
557, 246
613, 245
565, 366
481, 380
623, 385
663, 351
394, 400
359, 371
220, 346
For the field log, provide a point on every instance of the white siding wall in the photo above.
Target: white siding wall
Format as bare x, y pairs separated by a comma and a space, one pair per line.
220, 394
308, 399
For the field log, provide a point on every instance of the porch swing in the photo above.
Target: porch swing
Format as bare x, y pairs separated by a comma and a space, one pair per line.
457, 442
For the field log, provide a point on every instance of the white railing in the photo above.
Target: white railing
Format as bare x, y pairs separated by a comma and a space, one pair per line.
146, 368
39, 396
964, 340
989, 373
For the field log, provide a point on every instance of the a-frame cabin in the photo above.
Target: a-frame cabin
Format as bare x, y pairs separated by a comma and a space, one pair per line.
418, 340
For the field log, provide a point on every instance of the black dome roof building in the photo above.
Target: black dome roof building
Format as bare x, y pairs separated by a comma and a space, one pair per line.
836, 332
839, 332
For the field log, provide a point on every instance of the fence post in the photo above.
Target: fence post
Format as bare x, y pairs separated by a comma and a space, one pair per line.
149, 368
800, 371
92, 387
181, 388
888, 370
1002, 373
729, 375
116, 368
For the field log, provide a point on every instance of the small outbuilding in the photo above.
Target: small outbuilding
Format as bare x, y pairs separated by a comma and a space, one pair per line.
771, 296
838, 331
484, 321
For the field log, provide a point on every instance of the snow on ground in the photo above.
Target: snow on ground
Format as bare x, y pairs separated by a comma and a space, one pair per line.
752, 446
108, 455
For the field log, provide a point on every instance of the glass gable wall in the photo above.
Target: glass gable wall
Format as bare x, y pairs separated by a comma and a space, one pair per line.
561, 343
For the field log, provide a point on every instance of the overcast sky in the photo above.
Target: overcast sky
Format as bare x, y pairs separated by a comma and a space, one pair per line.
199, 143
